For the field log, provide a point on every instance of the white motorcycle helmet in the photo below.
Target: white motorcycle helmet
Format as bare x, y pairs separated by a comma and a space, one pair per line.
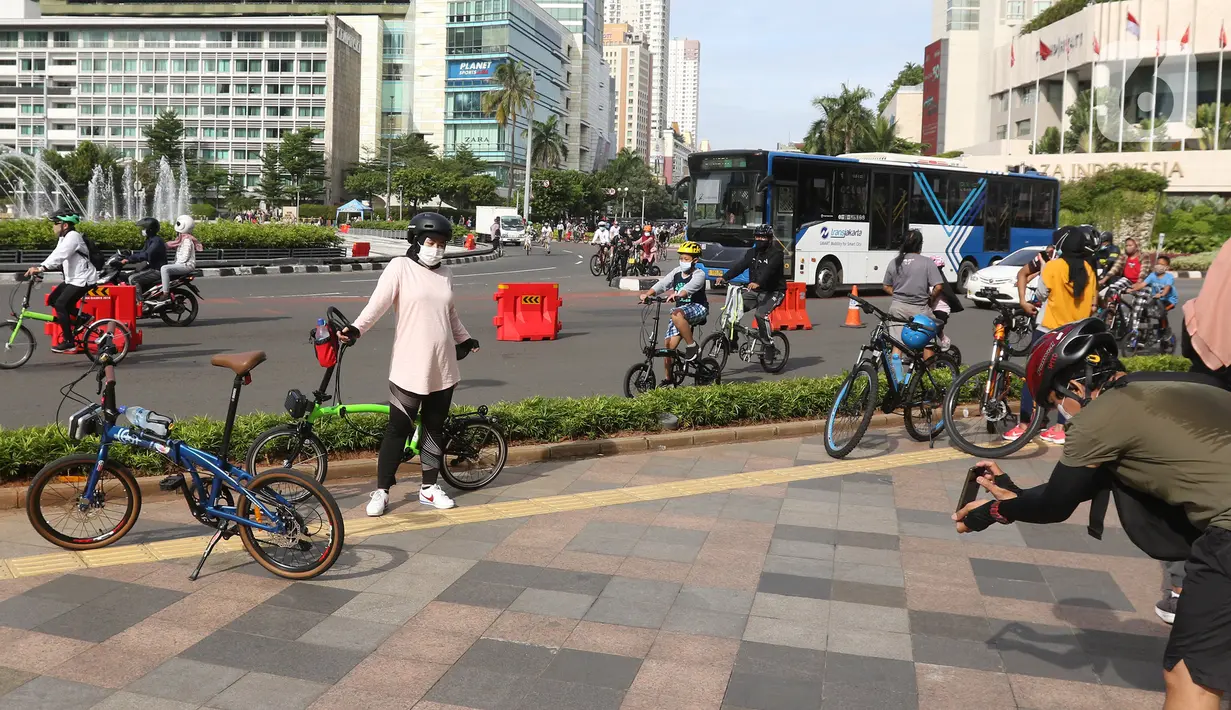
184, 224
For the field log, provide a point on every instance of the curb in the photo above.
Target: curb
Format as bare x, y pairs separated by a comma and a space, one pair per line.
1190, 274
635, 283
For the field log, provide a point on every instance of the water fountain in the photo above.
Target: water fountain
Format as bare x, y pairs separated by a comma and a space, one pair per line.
165, 199
36, 189
183, 196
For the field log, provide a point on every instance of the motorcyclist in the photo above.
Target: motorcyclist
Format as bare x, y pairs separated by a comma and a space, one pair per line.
766, 279
153, 252
1107, 258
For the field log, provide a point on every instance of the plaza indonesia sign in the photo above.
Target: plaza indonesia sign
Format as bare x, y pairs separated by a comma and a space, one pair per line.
475, 69
1169, 169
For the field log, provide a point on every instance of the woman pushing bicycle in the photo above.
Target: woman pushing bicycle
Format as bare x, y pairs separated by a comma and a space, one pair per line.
428, 342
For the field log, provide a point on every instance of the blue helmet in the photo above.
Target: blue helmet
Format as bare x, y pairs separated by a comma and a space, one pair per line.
919, 332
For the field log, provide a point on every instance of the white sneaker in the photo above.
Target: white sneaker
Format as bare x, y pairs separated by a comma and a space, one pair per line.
433, 496
376, 506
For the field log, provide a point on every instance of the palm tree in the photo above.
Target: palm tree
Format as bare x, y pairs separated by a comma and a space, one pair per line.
550, 148
1205, 121
512, 96
816, 141
846, 118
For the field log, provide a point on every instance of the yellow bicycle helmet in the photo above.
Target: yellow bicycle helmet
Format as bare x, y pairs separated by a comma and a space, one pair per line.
690, 248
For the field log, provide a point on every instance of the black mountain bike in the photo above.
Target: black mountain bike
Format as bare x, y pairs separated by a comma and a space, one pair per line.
642, 377
921, 396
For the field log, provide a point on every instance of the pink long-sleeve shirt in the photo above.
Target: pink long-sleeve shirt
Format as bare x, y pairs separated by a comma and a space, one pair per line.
424, 358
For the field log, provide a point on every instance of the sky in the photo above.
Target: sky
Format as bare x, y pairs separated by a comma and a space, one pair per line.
762, 61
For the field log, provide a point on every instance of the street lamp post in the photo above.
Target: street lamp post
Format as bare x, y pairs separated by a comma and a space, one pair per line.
388, 168
643, 207
529, 150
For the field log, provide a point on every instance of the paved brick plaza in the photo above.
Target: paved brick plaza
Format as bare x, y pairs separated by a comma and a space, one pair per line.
847, 591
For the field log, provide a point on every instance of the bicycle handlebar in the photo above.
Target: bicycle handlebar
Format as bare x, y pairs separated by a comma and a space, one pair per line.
873, 310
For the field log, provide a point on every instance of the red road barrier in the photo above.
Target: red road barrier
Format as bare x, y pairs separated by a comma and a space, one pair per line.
360, 249
792, 314
345, 229
527, 311
107, 301
470, 241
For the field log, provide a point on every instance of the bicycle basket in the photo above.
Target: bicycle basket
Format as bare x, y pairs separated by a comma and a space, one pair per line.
326, 347
296, 404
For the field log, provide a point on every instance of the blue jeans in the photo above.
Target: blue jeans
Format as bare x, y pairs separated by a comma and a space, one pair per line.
1027, 396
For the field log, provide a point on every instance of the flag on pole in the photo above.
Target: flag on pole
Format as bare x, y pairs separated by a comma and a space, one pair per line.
1133, 26
1184, 40
1097, 49
1222, 36
1012, 55
1044, 51
1158, 43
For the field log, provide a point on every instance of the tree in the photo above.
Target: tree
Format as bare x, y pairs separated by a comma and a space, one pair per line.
419, 184
1049, 142
911, 75
165, 138
77, 166
882, 137
464, 162
206, 180
846, 117
234, 196
1079, 136
365, 184
1205, 121
550, 148
303, 166
513, 95
271, 188
816, 141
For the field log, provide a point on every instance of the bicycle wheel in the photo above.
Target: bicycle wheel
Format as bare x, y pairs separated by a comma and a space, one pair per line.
708, 372
925, 397
1020, 336
716, 348
474, 455
106, 333
276, 448
58, 510
981, 406
851, 412
782, 351
18, 352
639, 379
596, 266
313, 535
653, 270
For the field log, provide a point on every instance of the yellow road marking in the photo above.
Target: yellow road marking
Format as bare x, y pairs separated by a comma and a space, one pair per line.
419, 520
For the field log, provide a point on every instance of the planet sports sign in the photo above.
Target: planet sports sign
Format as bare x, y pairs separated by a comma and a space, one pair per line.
1076, 171
477, 69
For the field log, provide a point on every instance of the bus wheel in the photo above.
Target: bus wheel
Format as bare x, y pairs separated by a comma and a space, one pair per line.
828, 278
964, 273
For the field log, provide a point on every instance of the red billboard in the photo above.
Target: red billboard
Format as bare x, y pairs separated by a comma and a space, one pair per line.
933, 61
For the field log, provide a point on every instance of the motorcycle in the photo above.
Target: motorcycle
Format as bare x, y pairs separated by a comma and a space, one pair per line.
179, 310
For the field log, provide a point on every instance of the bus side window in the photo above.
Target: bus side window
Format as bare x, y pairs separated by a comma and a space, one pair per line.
921, 211
851, 191
1044, 209
816, 193
1022, 216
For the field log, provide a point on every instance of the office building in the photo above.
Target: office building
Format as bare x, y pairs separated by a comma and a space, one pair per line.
905, 110
216, 8
684, 85
652, 20
589, 117
238, 86
675, 147
632, 69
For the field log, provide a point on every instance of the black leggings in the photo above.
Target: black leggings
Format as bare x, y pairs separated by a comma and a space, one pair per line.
63, 300
403, 407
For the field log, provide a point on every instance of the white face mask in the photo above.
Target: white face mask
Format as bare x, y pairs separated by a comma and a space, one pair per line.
430, 255
685, 265
1064, 412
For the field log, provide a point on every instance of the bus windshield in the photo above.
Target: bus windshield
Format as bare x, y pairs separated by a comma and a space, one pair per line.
727, 198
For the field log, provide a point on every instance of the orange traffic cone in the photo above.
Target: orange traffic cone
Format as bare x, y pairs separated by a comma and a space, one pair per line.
853, 317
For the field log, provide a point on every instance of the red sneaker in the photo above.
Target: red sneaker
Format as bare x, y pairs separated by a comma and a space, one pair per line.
1015, 433
1054, 435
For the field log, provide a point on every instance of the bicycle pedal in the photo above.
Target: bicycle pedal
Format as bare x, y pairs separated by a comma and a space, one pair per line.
171, 482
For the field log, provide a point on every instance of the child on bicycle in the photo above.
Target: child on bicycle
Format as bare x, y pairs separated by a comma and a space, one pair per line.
72, 254
1162, 288
686, 286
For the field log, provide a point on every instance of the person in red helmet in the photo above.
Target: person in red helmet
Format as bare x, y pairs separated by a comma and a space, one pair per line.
1159, 443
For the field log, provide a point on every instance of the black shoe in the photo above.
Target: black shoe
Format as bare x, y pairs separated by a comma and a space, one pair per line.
1166, 607
691, 352
666, 384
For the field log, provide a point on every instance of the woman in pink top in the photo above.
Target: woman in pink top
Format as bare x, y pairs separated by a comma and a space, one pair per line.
428, 342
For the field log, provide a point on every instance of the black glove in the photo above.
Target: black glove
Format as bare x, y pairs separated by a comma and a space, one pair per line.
1007, 483
980, 519
466, 347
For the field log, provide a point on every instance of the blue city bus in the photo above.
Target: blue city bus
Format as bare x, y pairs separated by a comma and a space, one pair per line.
841, 219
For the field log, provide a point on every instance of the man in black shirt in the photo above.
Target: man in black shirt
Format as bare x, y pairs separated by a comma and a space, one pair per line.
766, 279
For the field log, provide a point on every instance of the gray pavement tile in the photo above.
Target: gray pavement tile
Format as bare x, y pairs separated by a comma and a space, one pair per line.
867, 556
869, 574
619, 546
607, 610
74, 589
502, 573
125, 700
928, 530
877, 500
840, 696
563, 580
953, 626
649, 591
759, 692
305, 596
495, 596
461, 548
551, 603
470, 687
730, 601
1131, 673
1059, 537
1014, 589
805, 534
276, 621
11, 678
702, 622
849, 615
666, 551
47, 693
1121, 645
507, 657
674, 536
930, 517
866, 642
799, 566
998, 569
491, 531
613, 529
813, 613
814, 495
800, 548
262, 691
779, 661
383, 608
1048, 661
601, 670
268, 655
559, 695
859, 592
23, 612
185, 680
425, 563
412, 585
695, 505
876, 541
351, 634
794, 586
942, 651
818, 508
783, 632
818, 484
862, 523
808, 519
1092, 597
870, 672
94, 624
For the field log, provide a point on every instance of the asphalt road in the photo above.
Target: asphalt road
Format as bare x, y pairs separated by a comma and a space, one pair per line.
170, 373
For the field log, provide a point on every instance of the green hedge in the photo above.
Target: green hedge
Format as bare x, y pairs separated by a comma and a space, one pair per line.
37, 234
538, 419
459, 231
1194, 262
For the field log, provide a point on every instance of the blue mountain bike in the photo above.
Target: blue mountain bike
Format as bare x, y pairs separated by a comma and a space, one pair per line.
289, 523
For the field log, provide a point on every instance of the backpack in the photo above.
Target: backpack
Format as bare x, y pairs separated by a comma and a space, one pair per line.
93, 253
